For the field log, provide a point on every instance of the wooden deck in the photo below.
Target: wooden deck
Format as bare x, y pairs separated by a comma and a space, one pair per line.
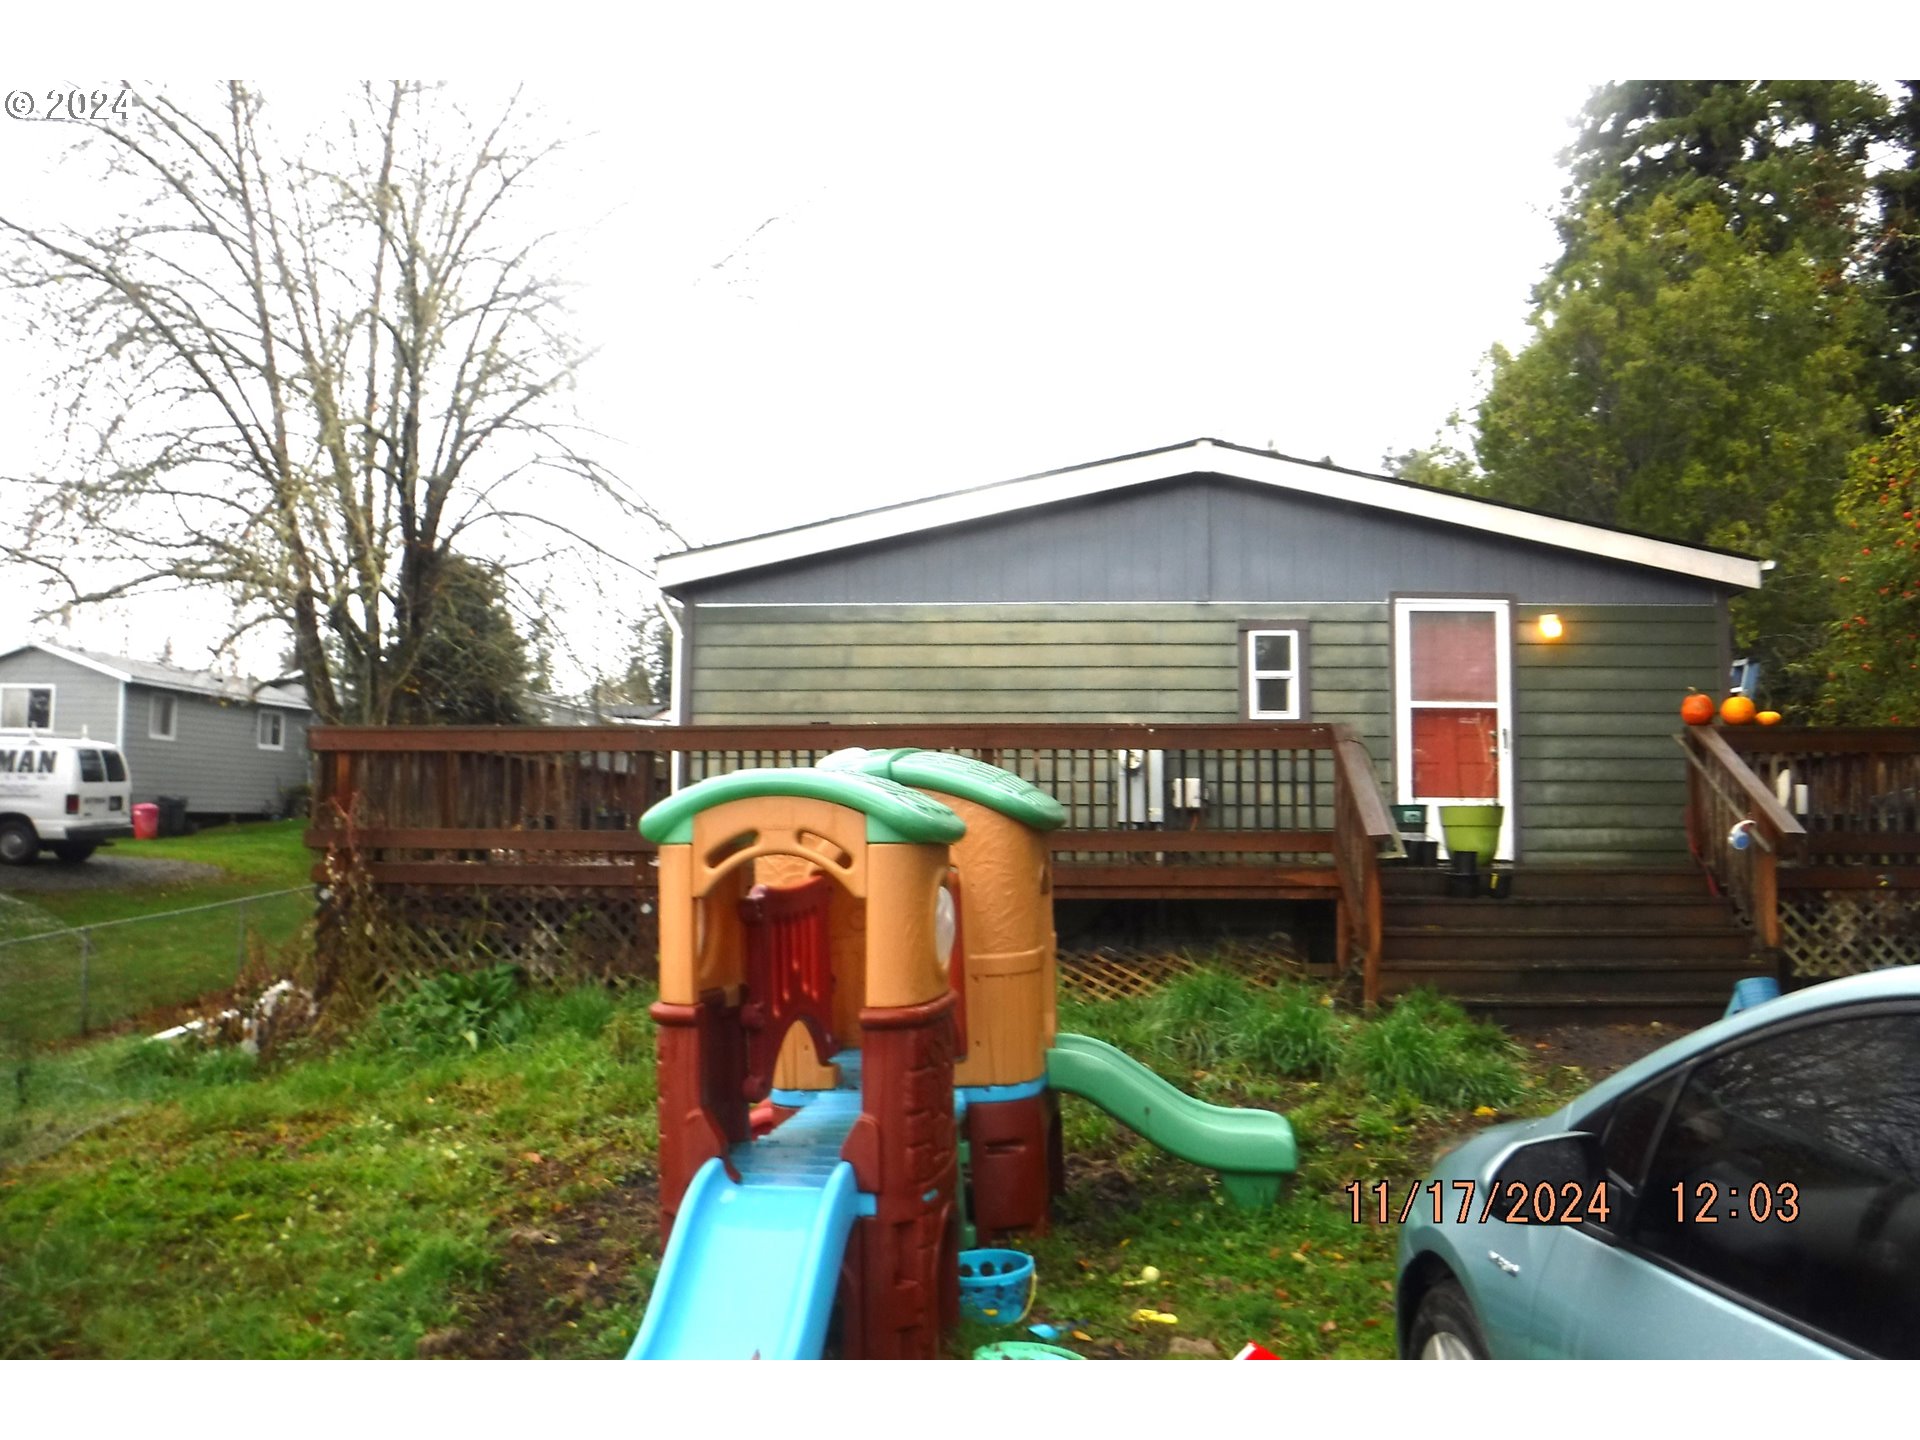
1276, 812
523, 841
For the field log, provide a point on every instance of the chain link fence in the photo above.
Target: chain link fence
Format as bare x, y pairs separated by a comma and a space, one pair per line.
60, 983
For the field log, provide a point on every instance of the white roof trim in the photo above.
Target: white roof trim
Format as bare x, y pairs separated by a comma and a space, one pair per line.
1206, 457
72, 659
183, 687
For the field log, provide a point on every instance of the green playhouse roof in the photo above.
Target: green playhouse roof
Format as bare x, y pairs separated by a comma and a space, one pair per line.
974, 780
895, 814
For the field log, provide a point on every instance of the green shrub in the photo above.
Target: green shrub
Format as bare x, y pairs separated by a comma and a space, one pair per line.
442, 1012
630, 1035
585, 1010
1129, 1024
1427, 1048
1290, 1032
1203, 1018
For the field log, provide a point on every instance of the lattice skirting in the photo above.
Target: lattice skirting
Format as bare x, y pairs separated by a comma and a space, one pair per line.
610, 935
1111, 972
1847, 932
613, 935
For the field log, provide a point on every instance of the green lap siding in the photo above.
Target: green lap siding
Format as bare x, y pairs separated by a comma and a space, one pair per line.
1599, 776
1095, 662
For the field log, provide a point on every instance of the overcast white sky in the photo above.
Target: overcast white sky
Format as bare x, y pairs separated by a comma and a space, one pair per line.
857, 255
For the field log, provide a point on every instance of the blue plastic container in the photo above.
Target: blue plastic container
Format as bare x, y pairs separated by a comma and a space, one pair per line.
1024, 1350
1755, 990
996, 1285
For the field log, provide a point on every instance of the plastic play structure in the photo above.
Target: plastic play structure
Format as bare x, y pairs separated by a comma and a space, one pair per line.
856, 985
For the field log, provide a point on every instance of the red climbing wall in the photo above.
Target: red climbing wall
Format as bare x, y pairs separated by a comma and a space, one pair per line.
703, 1105
901, 1280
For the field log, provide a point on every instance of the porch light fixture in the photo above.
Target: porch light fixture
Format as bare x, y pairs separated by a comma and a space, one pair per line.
1550, 627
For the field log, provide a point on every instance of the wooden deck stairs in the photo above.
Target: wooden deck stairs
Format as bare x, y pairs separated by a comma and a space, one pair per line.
1613, 944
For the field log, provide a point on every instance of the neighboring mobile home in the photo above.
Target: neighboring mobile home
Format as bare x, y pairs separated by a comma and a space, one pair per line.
224, 745
1208, 581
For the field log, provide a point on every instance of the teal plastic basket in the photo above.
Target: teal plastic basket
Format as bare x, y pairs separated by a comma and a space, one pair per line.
996, 1285
1024, 1350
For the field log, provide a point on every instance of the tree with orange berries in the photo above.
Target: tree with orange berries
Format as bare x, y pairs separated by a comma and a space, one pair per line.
1872, 661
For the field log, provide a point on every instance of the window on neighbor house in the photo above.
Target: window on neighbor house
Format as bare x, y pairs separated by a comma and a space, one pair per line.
160, 718
272, 734
1273, 671
26, 707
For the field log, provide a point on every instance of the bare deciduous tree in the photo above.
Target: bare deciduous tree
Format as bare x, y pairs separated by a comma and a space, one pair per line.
308, 376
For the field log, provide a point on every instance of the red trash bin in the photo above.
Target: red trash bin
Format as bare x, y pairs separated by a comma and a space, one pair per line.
146, 822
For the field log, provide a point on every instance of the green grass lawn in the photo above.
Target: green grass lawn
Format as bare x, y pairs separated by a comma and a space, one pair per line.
413, 1191
354, 1203
131, 969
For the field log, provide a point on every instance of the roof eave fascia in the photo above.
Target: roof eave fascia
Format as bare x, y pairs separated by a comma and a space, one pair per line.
86, 662
1204, 457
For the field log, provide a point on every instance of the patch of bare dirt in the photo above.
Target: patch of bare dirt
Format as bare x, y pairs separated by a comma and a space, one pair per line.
48, 875
1597, 1050
557, 1266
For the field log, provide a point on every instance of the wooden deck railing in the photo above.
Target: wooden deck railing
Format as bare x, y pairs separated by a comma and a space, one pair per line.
1361, 829
1833, 871
1195, 811
1737, 829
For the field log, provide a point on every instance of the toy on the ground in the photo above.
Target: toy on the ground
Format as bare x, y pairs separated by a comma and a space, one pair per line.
856, 972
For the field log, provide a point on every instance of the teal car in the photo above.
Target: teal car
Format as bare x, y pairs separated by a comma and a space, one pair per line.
1751, 1191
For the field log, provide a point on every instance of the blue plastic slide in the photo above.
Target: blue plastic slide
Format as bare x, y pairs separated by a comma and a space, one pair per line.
751, 1270
752, 1267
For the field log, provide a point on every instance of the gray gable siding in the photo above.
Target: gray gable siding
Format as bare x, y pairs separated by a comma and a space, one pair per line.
214, 762
84, 701
1200, 538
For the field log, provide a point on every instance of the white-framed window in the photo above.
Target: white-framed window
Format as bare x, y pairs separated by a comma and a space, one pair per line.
161, 717
26, 707
272, 734
1273, 670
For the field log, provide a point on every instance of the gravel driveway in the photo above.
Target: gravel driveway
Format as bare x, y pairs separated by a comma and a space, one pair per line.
104, 871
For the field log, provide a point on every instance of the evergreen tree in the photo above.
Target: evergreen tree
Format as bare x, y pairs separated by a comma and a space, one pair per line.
1871, 673
471, 667
1738, 291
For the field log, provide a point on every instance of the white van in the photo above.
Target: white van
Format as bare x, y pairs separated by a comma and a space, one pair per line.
66, 795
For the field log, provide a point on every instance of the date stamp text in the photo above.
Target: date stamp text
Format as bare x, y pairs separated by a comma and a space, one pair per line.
1469, 1202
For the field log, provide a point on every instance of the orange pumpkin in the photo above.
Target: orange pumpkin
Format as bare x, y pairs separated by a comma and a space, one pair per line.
1768, 717
1697, 709
1737, 710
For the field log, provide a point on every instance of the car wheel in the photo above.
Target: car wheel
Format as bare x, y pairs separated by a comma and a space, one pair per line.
73, 854
19, 842
1444, 1327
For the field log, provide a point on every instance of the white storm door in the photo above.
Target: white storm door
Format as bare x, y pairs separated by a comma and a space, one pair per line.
1453, 707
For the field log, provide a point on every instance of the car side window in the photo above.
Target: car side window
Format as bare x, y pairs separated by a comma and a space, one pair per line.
1789, 1173
91, 770
1630, 1130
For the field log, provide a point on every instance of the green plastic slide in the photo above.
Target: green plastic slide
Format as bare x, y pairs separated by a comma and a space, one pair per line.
1252, 1149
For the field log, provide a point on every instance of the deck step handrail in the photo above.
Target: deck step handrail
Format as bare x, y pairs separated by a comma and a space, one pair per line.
1361, 829
1738, 829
